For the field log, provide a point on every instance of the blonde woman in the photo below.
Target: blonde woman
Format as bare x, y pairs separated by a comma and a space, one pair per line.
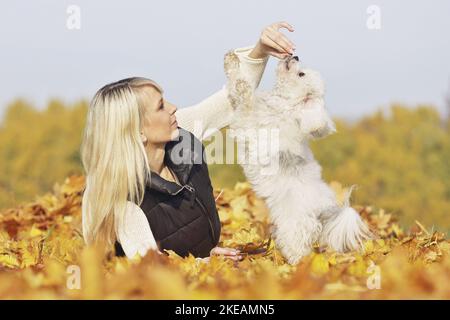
137, 197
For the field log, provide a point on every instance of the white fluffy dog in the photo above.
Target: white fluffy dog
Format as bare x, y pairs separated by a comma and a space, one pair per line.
303, 208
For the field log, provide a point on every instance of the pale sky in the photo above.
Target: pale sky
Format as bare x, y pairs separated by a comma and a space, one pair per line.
181, 44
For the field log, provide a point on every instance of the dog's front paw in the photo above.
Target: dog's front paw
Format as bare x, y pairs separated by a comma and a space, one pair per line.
319, 133
315, 123
328, 129
231, 63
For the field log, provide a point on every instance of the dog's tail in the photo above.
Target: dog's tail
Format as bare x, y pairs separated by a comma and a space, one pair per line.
346, 231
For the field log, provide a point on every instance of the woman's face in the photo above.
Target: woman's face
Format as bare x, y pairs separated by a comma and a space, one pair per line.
159, 124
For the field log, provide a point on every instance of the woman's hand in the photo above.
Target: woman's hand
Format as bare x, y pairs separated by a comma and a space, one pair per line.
273, 42
228, 253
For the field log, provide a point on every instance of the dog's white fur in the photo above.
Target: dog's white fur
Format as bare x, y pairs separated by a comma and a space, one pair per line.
303, 208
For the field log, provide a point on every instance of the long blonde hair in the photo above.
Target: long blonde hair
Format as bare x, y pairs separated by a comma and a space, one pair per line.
114, 158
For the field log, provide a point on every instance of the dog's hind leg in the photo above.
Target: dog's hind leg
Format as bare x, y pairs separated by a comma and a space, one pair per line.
296, 230
240, 91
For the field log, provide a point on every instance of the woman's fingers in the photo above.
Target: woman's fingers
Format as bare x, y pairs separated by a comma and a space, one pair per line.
233, 257
228, 253
274, 49
277, 26
278, 55
269, 41
281, 40
224, 251
277, 44
284, 24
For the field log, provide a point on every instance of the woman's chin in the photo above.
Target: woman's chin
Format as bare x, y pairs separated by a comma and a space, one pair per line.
175, 134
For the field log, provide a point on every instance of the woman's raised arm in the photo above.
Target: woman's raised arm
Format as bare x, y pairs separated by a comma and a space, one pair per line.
215, 112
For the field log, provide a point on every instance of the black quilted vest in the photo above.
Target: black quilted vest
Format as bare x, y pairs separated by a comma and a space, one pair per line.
183, 218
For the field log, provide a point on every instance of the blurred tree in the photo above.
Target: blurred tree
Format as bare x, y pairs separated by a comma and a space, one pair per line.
400, 162
38, 148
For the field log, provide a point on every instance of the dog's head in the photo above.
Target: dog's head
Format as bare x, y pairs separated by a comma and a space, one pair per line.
297, 83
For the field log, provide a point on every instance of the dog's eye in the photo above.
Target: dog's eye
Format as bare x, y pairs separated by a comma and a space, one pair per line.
301, 74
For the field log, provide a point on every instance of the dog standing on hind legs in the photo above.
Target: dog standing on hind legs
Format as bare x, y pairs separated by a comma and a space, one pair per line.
302, 207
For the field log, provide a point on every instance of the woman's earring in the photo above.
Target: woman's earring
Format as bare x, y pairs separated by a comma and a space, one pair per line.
143, 138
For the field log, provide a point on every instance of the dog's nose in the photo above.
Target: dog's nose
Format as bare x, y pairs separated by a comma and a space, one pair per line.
295, 57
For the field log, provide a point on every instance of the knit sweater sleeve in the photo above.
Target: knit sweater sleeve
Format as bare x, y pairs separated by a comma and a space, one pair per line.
134, 233
215, 112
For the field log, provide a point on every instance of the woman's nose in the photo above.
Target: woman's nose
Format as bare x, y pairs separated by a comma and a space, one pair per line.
173, 108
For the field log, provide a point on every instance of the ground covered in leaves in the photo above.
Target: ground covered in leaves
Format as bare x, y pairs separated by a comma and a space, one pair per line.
42, 254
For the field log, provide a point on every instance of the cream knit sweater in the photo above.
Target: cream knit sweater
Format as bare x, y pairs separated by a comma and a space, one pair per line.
202, 119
